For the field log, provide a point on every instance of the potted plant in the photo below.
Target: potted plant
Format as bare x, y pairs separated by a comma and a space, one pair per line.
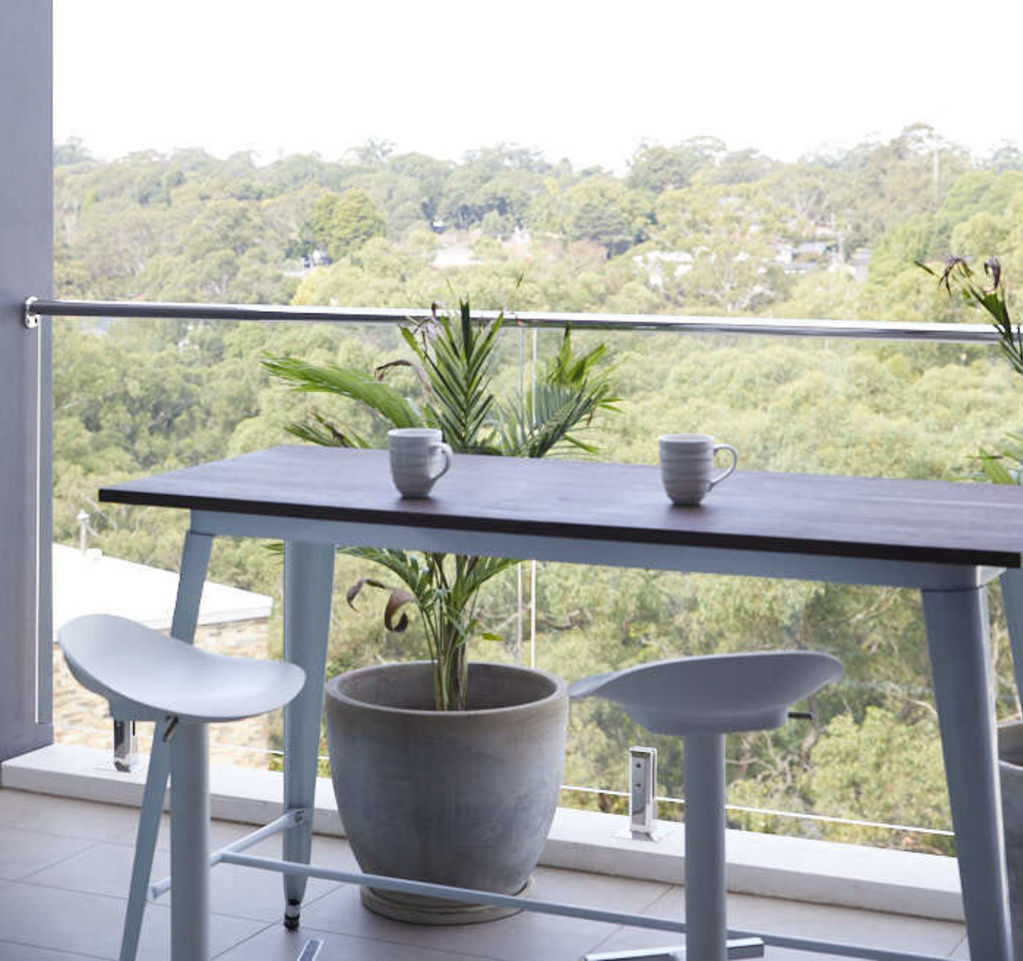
445, 770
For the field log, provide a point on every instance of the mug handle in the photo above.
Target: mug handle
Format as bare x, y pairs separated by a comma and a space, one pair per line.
730, 469
446, 452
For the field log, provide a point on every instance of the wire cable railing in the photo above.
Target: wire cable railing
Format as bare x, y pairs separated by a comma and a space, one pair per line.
268, 753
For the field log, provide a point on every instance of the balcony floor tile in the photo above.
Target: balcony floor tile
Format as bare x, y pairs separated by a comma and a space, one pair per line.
71, 818
237, 891
73, 921
276, 944
962, 949
67, 818
9, 951
69, 863
25, 852
533, 936
799, 919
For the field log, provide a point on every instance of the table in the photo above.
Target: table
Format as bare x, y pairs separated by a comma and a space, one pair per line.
946, 540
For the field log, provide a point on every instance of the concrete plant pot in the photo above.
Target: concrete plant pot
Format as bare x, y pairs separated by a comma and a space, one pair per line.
1010, 769
464, 798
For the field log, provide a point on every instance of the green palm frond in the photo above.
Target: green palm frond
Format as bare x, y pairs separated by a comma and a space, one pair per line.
565, 399
404, 566
536, 427
458, 358
317, 429
346, 382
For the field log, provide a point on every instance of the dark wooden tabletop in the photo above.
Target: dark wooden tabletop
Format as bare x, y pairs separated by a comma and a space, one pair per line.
906, 520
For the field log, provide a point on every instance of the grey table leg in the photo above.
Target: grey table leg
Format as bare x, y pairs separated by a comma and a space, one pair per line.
194, 562
1012, 598
308, 586
957, 636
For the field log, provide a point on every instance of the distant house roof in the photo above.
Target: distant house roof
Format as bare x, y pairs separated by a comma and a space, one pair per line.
91, 583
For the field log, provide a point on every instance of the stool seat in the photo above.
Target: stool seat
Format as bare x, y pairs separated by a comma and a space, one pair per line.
703, 699
718, 693
147, 676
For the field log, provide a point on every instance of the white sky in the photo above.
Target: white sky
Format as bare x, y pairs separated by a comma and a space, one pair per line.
585, 80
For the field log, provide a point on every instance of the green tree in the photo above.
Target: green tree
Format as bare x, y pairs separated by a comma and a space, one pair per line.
654, 168
604, 212
732, 235
342, 223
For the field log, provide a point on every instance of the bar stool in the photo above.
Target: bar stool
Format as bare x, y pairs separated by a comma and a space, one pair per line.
146, 676
703, 699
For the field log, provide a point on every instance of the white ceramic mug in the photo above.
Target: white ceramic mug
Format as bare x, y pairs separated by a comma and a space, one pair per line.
687, 465
418, 458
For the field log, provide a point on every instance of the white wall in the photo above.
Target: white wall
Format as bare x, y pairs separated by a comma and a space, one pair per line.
26, 267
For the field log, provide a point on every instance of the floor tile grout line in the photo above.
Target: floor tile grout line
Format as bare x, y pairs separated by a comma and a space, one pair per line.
165, 906
57, 951
53, 834
306, 902
958, 945
453, 953
247, 938
27, 878
150, 905
618, 930
94, 894
319, 933
667, 892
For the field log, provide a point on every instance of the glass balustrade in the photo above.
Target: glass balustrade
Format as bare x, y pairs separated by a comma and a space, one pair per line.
138, 396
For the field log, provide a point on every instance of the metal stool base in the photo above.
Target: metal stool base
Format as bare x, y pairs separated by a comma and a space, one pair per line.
311, 951
737, 948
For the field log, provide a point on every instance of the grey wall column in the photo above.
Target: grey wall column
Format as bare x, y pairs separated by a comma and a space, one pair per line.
26, 267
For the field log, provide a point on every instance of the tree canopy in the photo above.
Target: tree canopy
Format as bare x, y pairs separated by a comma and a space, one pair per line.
690, 228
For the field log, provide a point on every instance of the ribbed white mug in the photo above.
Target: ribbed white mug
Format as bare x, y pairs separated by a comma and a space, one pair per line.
687, 465
418, 458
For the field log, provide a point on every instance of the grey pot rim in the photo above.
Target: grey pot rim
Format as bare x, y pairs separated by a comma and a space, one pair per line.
333, 691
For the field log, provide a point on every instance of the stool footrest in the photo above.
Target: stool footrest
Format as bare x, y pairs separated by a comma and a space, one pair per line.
285, 822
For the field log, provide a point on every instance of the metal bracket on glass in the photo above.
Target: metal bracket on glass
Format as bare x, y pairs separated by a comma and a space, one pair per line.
642, 796
30, 318
126, 751
737, 948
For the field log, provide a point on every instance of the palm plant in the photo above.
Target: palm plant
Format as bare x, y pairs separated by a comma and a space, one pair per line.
453, 358
1004, 466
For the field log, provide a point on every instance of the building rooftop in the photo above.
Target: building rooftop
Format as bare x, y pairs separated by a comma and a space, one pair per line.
90, 583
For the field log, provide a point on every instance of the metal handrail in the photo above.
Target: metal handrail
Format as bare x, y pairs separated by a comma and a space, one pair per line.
762, 326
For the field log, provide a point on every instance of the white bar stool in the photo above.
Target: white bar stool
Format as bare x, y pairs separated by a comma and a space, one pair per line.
703, 699
149, 677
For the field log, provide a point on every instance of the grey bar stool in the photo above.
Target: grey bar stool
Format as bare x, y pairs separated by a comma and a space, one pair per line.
149, 677
703, 699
